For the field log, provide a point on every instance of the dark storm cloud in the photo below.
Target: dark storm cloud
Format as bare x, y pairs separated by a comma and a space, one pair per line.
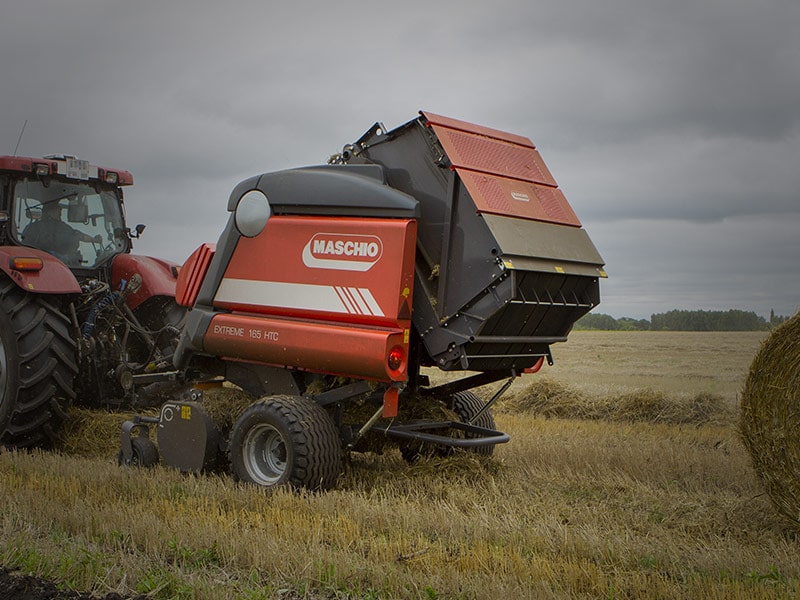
678, 119
716, 67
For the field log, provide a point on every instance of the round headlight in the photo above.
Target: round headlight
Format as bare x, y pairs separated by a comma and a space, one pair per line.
252, 213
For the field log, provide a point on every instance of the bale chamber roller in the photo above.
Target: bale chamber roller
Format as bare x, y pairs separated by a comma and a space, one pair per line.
504, 268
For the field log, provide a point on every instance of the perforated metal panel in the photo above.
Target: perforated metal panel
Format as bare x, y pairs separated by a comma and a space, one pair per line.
504, 173
515, 198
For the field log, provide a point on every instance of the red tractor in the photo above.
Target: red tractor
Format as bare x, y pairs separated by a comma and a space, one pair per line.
439, 244
81, 318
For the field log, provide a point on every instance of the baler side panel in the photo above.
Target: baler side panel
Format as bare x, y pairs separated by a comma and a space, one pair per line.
331, 348
340, 269
192, 273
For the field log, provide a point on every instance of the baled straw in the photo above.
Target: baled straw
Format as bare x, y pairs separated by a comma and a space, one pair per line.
770, 416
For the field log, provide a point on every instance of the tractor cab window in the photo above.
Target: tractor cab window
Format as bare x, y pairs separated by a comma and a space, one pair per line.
75, 222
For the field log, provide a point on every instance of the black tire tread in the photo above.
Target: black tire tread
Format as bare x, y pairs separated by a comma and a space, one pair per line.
46, 367
466, 404
315, 441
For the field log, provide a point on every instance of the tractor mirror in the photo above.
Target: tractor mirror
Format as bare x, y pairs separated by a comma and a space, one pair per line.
138, 231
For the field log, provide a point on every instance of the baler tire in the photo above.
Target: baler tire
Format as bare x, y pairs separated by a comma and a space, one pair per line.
466, 405
286, 441
38, 365
145, 453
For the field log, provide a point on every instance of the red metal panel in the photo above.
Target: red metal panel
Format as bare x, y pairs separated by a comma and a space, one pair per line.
515, 198
339, 268
503, 172
192, 273
307, 345
489, 155
54, 278
158, 276
25, 164
434, 119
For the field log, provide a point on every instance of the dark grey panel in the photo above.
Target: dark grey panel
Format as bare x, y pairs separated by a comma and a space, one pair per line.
545, 244
357, 190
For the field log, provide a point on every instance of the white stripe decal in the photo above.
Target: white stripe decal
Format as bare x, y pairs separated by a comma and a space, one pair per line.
302, 296
362, 306
370, 300
348, 303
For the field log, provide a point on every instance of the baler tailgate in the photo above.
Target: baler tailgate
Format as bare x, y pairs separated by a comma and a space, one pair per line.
503, 266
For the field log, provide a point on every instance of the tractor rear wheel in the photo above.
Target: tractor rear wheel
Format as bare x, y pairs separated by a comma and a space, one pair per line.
286, 440
37, 367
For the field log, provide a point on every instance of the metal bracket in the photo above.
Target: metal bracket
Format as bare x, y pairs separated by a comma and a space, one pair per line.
416, 431
494, 398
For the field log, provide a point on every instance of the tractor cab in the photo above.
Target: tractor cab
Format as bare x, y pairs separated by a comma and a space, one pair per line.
66, 207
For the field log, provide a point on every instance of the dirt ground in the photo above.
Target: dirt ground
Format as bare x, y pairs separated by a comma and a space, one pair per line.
14, 586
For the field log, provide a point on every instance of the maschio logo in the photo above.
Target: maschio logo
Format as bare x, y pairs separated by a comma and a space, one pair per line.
347, 252
521, 196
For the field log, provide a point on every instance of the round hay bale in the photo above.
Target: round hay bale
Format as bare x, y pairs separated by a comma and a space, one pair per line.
770, 416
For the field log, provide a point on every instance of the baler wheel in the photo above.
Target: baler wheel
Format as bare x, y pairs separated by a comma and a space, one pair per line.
145, 453
286, 440
466, 405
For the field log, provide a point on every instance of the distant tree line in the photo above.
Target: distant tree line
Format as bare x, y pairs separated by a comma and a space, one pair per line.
684, 320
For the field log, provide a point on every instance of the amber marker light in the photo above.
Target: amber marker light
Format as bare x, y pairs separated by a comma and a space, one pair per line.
25, 263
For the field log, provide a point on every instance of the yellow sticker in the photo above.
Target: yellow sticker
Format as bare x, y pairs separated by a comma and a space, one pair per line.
186, 412
405, 335
559, 269
508, 264
406, 292
602, 273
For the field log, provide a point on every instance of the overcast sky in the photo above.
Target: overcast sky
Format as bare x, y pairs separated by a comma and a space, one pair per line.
672, 127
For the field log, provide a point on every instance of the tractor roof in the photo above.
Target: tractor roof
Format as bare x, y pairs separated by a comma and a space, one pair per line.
66, 166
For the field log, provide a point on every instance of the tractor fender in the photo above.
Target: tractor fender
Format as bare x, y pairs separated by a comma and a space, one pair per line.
53, 278
158, 276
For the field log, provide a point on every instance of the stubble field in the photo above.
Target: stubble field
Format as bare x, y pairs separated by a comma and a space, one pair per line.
638, 504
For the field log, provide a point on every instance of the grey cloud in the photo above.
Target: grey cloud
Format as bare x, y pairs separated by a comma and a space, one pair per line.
680, 115
745, 263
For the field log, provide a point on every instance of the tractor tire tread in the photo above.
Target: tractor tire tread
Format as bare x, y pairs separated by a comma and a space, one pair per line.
41, 388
